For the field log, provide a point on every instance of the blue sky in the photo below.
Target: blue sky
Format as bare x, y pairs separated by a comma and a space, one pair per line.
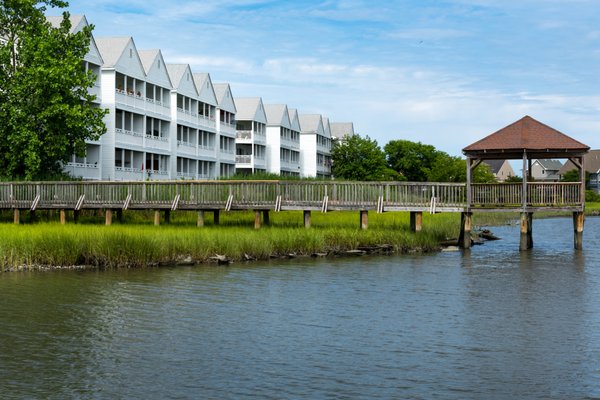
445, 72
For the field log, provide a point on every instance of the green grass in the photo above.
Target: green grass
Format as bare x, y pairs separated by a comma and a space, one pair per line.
137, 243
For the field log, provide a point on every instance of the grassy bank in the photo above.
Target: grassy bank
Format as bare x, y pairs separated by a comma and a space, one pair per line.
136, 243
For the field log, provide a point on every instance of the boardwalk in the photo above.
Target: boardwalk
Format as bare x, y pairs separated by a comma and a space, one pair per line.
324, 196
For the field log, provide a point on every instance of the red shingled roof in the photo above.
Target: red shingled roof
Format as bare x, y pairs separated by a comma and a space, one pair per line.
526, 134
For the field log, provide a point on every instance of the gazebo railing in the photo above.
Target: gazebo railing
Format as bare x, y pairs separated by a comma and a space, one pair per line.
539, 194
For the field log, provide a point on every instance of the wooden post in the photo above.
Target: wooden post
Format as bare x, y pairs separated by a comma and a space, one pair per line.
216, 217
466, 225
63, 216
76, 215
156, 217
256, 219
364, 219
526, 241
32, 216
578, 221
167, 216
120, 216
416, 221
200, 222
17, 216
108, 217
266, 217
307, 219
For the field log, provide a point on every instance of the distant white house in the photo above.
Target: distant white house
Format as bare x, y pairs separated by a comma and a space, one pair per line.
251, 135
340, 130
226, 127
315, 147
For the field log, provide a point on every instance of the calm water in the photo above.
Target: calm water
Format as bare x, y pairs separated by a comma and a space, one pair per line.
492, 323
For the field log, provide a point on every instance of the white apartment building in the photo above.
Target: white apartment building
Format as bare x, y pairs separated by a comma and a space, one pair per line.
283, 140
166, 122
251, 139
315, 146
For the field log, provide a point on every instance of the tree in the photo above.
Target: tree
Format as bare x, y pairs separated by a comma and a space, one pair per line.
46, 113
412, 160
447, 168
357, 158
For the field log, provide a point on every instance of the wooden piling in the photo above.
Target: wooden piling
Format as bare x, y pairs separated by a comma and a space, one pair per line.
76, 214
266, 217
526, 241
256, 219
200, 222
416, 221
578, 222
63, 216
364, 219
466, 225
16, 216
156, 217
307, 218
108, 217
216, 218
167, 216
120, 216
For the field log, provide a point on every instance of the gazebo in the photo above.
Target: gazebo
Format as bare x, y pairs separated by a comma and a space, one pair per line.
526, 139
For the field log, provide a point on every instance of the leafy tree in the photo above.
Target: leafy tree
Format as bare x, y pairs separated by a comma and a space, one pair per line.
572, 176
513, 179
357, 158
45, 108
412, 160
447, 168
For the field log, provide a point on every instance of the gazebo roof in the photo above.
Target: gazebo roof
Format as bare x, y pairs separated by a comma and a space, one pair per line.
526, 135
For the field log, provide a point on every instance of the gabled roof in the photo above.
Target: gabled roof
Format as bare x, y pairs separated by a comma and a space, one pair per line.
183, 79
591, 163
155, 68
311, 123
206, 92
294, 120
495, 165
341, 129
112, 48
277, 115
224, 97
78, 22
250, 109
526, 135
326, 127
550, 165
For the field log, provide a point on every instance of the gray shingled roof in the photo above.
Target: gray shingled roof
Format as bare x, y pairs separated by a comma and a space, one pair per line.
277, 114
76, 21
147, 57
111, 49
591, 163
550, 165
495, 165
176, 72
341, 129
221, 90
309, 123
246, 108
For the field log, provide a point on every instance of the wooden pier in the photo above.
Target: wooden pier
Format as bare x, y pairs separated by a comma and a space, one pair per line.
322, 196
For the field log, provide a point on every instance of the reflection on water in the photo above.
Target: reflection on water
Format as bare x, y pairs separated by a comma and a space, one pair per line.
492, 322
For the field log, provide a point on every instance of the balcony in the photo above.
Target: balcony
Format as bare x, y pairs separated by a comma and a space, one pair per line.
187, 116
186, 175
157, 142
250, 161
227, 130
243, 136
130, 99
96, 91
186, 148
208, 123
129, 137
158, 107
85, 171
129, 174
290, 144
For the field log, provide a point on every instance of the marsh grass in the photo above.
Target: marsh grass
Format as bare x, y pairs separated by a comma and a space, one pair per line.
137, 243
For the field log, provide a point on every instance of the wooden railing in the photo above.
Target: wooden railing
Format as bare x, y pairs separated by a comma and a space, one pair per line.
282, 195
552, 194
